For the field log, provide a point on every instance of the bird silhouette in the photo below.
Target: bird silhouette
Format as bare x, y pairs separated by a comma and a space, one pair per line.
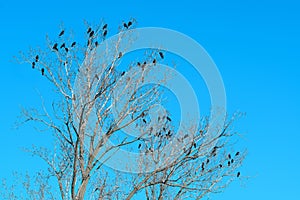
33, 65
207, 161
220, 165
89, 30
89, 42
91, 34
55, 47
96, 43
229, 156
144, 121
73, 44
161, 55
232, 160
123, 73
202, 166
104, 27
237, 153
238, 174
63, 45
37, 58
129, 24
228, 163
154, 61
105, 33
120, 55
61, 33
138, 64
67, 50
194, 145
43, 71
168, 118
125, 25
139, 146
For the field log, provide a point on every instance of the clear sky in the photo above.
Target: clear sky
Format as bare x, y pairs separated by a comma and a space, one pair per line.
255, 44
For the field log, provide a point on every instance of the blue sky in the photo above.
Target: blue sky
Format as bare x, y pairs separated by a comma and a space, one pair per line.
255, 45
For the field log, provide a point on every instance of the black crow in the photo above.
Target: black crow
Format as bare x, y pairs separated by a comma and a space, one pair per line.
104, 27
43, 71
228, 163
63, 45
139, 146
138, 63
238, 174
123, 73
144, 121
129, 24
207, 161
73, 44
229, 156
161, 55
168, 118
125, 25
237, 153
61, 33
37, 58
33, 65
120, 55
89, 30
220, 165
67, 50
154, 61
91, 34
96, 43
55, 47
105, 33
232, 160
194, 145
89, 42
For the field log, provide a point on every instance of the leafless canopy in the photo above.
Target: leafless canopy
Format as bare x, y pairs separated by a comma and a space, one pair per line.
89, 85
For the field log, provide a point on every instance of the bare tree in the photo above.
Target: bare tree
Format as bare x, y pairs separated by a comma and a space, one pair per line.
87, 128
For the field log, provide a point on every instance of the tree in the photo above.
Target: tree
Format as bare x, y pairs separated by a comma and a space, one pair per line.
88, 131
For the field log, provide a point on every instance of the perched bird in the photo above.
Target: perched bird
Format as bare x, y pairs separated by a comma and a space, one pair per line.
33, 65
125, 25
168, 118
55, 47
129, 24
73, 44
158, 118
139, 146
67, 50
161, 55
207, 161
232, 160
91, 34
154, 61
61, 33
89, 30
89, 42
120, 55
202, 166
123, 73
220, 165
237, 153
229, 156
105, 33
96, 43
43, 71
104, 26
63, 45
228, 163
144, 121
238, 174
138, 63
194, 145
37, 58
